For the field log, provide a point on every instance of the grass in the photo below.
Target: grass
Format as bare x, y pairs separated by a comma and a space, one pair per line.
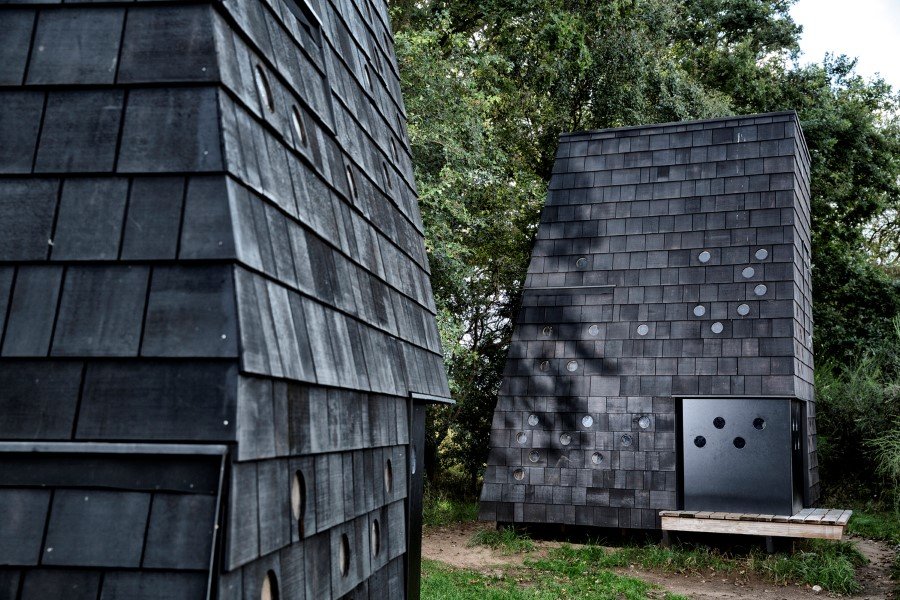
504, 539
440, 510
879, 525
536, 581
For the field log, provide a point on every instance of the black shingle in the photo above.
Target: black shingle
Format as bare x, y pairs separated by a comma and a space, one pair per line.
80, 132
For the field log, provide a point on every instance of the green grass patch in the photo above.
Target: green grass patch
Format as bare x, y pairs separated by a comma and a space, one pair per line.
505, 539
537, 581
439, 510
876, 525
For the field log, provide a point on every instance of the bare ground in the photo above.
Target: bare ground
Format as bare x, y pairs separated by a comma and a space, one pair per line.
450, 545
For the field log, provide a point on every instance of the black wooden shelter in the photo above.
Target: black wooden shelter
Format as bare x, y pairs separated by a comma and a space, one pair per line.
217, 332
662, 358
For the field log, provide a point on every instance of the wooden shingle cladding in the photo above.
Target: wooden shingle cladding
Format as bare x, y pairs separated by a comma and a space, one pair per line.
209, 233
671, 261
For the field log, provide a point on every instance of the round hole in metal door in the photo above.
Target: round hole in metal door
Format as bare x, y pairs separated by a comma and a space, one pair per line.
699, 441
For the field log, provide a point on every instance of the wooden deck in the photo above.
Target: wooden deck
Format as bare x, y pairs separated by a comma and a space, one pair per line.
824, 523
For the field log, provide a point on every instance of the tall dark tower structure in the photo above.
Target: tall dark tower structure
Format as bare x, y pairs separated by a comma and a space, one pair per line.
217, 332
662, 358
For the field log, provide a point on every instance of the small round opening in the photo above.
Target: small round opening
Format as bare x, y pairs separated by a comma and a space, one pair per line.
644, 422
545, 364
269, 589
547, 330
593, 329
719, 423
581, 263
265, 92
743, 310
565, 439
587, 421
534, 456
699, 310
596, 458
643, 330
759, 423
413, 461
762, 254
387, 176
299, 127
626, 440
521, 437
519, 474
704, 256
298, 499
748, 272
571, 366
376, 537
760, 290
739, 442
699, 441
717, 327
533, 420
388, 476
344, 555
351, 182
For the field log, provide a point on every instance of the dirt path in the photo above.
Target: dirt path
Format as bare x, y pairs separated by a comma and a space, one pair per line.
450, 545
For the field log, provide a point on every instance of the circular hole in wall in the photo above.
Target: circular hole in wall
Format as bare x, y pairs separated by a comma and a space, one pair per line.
739, 442
265, 92
581, 263
587, 421
717, 327
388, 476
534, 456
413, 461
269, 589
521, 437
299, 127
699, 441
298, 499
643, 329
743, 310
344, 555
571, 366
533, 420
644, 422
351, 182
596, 458
719, 423
376, 537
762, 254
760, 290
547, 330
519, 474
704, 257
593, 329
565, 439
699, 310
748, 272
545, 364
627, 440
759, 423
387, 176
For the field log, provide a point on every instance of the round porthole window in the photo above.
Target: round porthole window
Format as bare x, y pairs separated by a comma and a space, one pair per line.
351, 182
699, 310
643, 329
547, 330
376, 537
388, 476
412, 459
743, 310
519, 474
344, 555
521, 437
644, 422
762, 254
298, 499
760, 290
545, 365
699, 441
265, 92
759, 423
299, 127
571, 366
587, 421
596, 458
593, 329
748, 272
739, 442
717, 327
565, 439
269, 589
719, 423
533, 420
581, 263
627, 440
534, 456
704, 257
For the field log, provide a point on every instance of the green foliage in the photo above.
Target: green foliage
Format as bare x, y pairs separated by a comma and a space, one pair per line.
875, 524
440, 510
506, 539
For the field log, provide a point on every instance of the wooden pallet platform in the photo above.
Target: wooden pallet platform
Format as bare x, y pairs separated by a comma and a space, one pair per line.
823, 523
